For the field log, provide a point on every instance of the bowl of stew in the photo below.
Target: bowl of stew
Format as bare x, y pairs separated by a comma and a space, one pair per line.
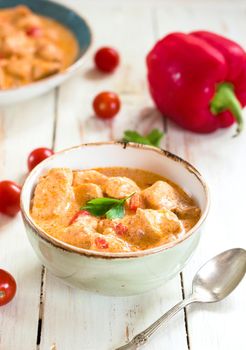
114, 218
42, 44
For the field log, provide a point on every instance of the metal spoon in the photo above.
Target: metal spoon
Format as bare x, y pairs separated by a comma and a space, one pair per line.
213, 282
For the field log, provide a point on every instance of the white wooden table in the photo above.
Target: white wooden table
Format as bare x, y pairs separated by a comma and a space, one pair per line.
45, 311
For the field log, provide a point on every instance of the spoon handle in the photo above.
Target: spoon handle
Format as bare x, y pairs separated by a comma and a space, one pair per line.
141, 338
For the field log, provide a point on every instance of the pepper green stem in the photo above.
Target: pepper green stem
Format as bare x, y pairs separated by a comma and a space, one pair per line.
225, 99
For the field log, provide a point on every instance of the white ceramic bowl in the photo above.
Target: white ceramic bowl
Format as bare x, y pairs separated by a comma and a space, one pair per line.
116, 273
73, 21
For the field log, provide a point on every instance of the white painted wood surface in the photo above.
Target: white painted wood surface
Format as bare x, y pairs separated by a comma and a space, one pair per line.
74, 319
21, 129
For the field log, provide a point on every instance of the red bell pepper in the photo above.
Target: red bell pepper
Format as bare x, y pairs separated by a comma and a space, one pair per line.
198, 80
77, 215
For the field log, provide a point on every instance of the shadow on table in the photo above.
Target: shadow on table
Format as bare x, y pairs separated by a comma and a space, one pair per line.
94, 74
4, 221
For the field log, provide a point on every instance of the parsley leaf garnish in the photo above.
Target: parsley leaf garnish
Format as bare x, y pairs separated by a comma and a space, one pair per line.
110, 207
117, 211
152, 139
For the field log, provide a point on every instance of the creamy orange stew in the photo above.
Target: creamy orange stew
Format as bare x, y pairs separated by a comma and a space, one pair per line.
32, 47
157, 212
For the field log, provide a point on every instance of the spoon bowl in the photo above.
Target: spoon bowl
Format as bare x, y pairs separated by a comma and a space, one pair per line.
219, 276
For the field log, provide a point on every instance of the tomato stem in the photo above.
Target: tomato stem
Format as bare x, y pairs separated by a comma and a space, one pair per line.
2, 294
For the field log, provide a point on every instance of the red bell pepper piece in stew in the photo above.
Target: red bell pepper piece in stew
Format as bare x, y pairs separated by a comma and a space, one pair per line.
198, 80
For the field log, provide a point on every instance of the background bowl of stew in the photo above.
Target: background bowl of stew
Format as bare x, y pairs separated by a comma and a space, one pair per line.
68, 18
124, 273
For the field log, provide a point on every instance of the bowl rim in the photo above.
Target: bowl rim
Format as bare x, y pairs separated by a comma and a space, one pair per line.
69, 70
118, 255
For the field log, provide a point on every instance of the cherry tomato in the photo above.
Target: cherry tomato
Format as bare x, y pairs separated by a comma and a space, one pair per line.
7, 287
9, 198
106, 105
37, 156
34, 32
107, 59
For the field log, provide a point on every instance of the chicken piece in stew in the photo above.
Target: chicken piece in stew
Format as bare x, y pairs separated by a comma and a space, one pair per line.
155, 210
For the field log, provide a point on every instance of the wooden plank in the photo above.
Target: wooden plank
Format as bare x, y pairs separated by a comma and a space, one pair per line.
75, 319
22, 128
220, 158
